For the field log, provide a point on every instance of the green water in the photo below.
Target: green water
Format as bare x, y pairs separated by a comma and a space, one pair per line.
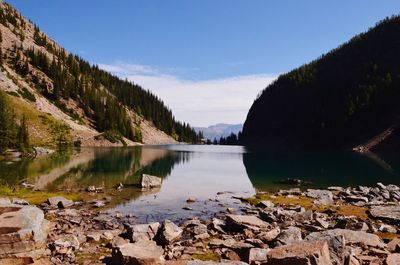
195, 171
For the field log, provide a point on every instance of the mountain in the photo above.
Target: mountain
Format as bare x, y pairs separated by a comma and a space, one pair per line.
51, 88
219, 130
348, 98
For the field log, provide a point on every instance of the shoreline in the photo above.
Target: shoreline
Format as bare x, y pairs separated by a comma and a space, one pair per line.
331, 225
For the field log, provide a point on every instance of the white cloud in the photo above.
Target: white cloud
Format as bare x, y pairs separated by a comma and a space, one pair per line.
201, 103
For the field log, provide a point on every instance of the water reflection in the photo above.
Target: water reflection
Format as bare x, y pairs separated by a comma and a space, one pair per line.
194, 171
266, 169
77, 169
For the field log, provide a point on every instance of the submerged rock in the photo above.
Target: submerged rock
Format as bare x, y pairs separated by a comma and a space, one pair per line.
23, 230
149, 182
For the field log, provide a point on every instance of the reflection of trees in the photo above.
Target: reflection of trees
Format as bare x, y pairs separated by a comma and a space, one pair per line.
29, 169
265, 169
111, 166
164, 166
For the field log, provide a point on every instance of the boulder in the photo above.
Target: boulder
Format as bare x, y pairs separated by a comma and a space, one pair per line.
23, 230
142, 253
354, 237
394, 245
321, 196
390, 214
149, 182
258, 255
169, 233
304, 253
289, 236
393, 259
270, 235
266, 204
142, 231
60, 202
238, 222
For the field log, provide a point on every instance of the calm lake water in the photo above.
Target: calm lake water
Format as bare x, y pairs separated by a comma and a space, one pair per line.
211, 174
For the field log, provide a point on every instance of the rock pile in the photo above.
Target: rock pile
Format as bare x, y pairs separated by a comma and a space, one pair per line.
351, 226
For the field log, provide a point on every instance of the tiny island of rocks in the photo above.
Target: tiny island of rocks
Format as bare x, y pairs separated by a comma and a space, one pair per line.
350, 226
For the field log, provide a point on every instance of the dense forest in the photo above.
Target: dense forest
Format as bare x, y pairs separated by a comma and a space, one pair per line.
337, 101
104, 98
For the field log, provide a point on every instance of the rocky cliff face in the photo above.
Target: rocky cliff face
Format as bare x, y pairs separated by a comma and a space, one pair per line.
31, 89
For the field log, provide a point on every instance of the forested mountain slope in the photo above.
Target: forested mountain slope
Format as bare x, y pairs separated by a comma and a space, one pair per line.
344, 99
48, 85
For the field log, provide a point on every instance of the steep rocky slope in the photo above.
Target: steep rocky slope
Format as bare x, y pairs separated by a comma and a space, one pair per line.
32, 91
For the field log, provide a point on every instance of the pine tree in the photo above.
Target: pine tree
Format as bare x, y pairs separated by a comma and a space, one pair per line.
7, 123
23, 135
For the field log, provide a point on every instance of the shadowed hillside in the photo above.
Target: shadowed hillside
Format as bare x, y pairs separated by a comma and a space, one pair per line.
344, 99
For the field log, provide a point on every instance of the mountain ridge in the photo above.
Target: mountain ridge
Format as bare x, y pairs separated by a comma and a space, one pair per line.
219, 130
51, 85
342, 100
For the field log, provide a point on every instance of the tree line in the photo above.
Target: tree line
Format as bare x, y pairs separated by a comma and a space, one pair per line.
337, 101
103, 97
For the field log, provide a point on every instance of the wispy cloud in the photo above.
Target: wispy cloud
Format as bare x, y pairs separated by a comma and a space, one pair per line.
201, 103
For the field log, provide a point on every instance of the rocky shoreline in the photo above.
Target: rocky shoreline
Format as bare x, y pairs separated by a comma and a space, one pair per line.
336, 225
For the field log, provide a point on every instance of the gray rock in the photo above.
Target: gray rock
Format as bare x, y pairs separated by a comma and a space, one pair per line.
23, 230
270, 235
321, 196
355, 237
266, 204
356, 199
93, 236
238, 222
289, 236
258, 255
169, 233
19, 201
149, 182
390, 214
142, 231
304, 253
142, 253
388, 229
60, 202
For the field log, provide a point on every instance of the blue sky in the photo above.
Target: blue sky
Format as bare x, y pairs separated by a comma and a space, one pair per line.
184, 49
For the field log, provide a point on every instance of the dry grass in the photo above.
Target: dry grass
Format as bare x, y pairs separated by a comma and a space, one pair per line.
35, 197
308, 204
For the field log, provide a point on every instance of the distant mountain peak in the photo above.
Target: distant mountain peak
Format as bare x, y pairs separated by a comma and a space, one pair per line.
219, 130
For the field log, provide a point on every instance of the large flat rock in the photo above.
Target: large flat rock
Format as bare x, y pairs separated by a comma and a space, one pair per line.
23, 230
354, 237
234, 222
387, 213
141, 253
304, 253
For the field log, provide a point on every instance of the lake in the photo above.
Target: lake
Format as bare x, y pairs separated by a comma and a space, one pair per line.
211, 174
